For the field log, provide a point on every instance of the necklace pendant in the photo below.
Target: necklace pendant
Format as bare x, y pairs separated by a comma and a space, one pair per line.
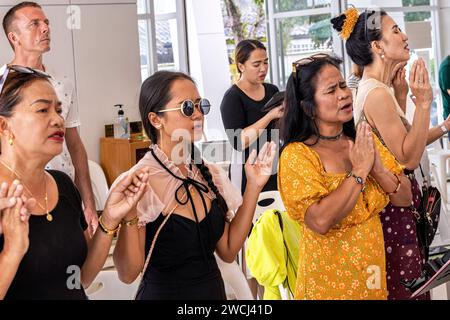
49, 217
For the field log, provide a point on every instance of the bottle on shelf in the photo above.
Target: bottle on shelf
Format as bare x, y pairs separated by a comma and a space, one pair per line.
121, 125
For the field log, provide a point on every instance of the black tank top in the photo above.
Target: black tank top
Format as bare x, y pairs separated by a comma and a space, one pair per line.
178, 255
182, 265
57, 249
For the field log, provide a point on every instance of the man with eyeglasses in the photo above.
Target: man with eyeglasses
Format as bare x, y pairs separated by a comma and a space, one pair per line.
28, 32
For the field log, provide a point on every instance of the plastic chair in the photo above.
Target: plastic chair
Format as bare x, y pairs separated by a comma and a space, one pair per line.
107, 286
444, 221
235, 280
99, 184
285, 293
277, 203
439, 157
272, 254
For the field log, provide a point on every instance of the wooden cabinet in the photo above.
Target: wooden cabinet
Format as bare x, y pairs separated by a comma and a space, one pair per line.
119, 155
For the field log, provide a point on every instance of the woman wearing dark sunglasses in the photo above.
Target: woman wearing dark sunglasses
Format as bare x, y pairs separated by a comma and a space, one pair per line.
334, 180
45, 254
375, 42
186, 214
242, 108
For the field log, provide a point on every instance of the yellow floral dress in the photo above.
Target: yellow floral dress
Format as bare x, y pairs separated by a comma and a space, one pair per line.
349, 261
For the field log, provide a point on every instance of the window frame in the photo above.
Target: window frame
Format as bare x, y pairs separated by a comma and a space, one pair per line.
273, 19
336, 7
151, 18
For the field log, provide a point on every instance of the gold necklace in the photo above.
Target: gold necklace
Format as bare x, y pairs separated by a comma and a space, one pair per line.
48, 215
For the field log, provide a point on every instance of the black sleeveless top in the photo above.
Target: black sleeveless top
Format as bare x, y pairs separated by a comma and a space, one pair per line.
178, 255
182, 265
57, 250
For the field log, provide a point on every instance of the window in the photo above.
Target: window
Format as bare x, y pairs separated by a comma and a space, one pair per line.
298, 28
302, 27
299, 37
162, 36
291, 5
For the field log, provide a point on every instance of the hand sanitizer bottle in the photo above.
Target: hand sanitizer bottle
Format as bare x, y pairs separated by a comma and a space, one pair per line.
122, 125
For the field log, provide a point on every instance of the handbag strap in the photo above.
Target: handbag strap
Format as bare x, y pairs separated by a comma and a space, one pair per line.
425, 181
288, 256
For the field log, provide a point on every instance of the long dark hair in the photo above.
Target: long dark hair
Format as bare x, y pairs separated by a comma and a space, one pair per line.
366, 30
155, 94
297, 123
244, 49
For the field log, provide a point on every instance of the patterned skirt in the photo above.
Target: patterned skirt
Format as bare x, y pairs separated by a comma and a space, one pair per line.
404, 259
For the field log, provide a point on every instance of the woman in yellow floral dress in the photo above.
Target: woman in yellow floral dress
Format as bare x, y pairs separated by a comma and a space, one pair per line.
334, 180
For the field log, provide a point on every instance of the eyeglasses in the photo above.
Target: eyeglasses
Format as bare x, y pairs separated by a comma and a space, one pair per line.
308, 60
187, 107
20, 69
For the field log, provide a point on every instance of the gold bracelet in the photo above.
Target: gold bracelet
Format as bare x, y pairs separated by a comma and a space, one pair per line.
398, 186
131, 222
106, 230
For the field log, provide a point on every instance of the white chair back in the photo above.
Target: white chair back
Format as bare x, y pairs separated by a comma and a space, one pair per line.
285, 293
107, 286
277, 203
444, 220
234, 278
99, 184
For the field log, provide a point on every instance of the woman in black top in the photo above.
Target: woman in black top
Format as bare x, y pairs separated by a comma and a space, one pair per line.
47, 256
184, 216
248, 127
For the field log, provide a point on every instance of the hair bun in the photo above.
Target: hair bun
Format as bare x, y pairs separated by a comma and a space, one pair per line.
345, 23
338, 22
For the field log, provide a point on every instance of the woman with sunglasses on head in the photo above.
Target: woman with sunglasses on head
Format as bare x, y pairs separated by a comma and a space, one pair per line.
334, 180
40, 266
186, 214
375, 42
242, 108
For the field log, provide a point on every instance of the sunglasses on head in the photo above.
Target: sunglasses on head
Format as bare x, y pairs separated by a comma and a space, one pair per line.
20, 69
187, 107
307, 60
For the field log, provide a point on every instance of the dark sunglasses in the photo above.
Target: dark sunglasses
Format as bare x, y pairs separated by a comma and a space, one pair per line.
187, 107
20, 69
307, 60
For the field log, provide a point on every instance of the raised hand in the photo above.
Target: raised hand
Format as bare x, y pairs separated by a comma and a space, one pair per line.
378, 166
124, 196
5, 202
419, 82
361, 152
14, 219
399, 81
91, 217
277, 112
258, 168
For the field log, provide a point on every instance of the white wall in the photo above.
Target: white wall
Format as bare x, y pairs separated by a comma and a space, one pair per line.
208, 59
102, 58
106, 52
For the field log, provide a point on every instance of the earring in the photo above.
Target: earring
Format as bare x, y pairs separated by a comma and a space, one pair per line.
10, 140
382, 56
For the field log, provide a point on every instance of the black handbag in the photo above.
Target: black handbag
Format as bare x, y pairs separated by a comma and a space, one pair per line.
427, 215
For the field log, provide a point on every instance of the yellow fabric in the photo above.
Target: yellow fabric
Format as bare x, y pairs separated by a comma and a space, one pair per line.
266, 255
343, 263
